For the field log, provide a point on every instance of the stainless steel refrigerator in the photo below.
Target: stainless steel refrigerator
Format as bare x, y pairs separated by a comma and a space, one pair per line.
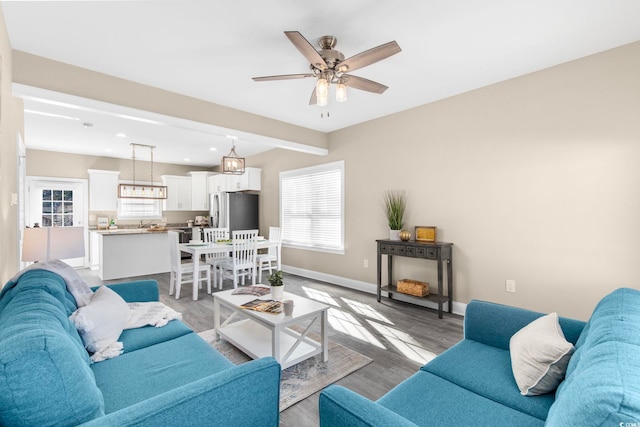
236, 211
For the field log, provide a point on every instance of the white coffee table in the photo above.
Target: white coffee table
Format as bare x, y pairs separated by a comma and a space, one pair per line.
264, 334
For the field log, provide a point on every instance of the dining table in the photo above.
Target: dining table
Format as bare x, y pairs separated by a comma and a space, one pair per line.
196, 250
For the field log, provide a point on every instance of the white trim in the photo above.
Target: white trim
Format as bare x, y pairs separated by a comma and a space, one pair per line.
459, 308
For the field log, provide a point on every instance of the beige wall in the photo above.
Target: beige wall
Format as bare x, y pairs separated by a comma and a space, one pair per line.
65, 165
533, 179
11, 118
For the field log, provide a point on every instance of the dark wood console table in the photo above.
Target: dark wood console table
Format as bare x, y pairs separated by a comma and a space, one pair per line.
439, 251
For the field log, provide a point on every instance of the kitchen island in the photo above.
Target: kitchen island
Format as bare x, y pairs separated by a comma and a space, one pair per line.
130, 252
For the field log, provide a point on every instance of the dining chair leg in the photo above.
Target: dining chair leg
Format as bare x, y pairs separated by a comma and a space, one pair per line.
178, 279
209, 281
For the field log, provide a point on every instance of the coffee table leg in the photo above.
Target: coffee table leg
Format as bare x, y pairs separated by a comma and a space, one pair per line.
275, 344
324, 336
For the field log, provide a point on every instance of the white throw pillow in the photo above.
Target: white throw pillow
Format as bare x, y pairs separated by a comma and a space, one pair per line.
101, 322
539, 356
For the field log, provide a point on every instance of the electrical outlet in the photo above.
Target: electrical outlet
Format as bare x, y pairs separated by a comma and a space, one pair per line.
510, 286
366, 263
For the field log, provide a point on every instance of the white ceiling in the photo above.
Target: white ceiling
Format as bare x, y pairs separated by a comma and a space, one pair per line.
211, 49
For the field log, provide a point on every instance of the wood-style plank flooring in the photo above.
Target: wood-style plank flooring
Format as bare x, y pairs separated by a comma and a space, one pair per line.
398, 337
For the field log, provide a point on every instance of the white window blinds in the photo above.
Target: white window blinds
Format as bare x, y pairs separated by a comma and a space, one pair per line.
312, 207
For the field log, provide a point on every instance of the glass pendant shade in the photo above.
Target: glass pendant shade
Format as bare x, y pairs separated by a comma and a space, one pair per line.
341, 92
322, 88
322, 101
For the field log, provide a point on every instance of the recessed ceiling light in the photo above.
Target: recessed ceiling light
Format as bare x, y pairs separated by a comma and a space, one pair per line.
187, 160
213, 149
108, 150
121, 135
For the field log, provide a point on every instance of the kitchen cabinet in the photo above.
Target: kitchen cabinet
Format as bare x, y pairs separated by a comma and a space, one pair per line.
219, 182
200, 190
178, 193
132, 254
250, 180
94, 250
103, 190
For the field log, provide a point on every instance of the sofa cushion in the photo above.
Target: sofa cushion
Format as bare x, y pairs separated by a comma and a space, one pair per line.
38, 342
486, 371
539, 356
137, 338
101, 322
429, 400
603, 382
141, 374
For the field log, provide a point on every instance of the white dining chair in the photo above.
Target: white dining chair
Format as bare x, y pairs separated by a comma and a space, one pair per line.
212, 235
183, 272
243, 258
269, 260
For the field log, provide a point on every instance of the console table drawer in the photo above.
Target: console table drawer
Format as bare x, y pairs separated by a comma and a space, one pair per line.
429, 253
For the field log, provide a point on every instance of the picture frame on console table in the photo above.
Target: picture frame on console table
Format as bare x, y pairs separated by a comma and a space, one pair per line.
426, 234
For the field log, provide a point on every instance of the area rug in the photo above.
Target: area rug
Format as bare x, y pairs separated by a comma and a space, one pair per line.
307, 377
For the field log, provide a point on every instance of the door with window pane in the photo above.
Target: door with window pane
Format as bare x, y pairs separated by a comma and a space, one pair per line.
57, 204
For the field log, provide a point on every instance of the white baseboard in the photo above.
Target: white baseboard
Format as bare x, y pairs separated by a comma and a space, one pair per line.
458, 307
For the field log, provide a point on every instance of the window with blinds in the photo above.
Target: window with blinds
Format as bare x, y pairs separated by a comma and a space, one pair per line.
312, 207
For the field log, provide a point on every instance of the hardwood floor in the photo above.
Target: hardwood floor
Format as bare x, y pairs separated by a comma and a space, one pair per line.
398, 337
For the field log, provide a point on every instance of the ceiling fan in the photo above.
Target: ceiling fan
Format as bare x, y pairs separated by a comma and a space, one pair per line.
328, 66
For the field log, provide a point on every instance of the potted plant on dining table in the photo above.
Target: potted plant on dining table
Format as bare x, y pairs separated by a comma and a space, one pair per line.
277, 285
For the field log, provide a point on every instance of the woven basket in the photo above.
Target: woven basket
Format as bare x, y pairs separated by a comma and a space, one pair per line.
413, 287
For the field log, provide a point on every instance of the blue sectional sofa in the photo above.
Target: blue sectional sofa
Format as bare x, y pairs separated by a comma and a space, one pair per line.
166, 376
472, 383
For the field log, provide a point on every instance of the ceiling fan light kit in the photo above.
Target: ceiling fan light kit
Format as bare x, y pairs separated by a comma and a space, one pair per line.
341, 91
328, 66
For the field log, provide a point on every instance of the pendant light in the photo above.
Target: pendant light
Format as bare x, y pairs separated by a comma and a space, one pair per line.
232, 164
135, 191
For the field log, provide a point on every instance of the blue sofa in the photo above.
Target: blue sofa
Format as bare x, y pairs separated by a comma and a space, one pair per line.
472, 383
166, 376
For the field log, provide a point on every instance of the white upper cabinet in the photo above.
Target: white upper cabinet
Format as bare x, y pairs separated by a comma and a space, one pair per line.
103, 190
219, 182
178, 193
200, 191
250, 180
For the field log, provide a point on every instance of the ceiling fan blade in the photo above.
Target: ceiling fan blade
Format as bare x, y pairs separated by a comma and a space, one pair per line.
282, 77
363, 84
306, 49
368, 57
313, 100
